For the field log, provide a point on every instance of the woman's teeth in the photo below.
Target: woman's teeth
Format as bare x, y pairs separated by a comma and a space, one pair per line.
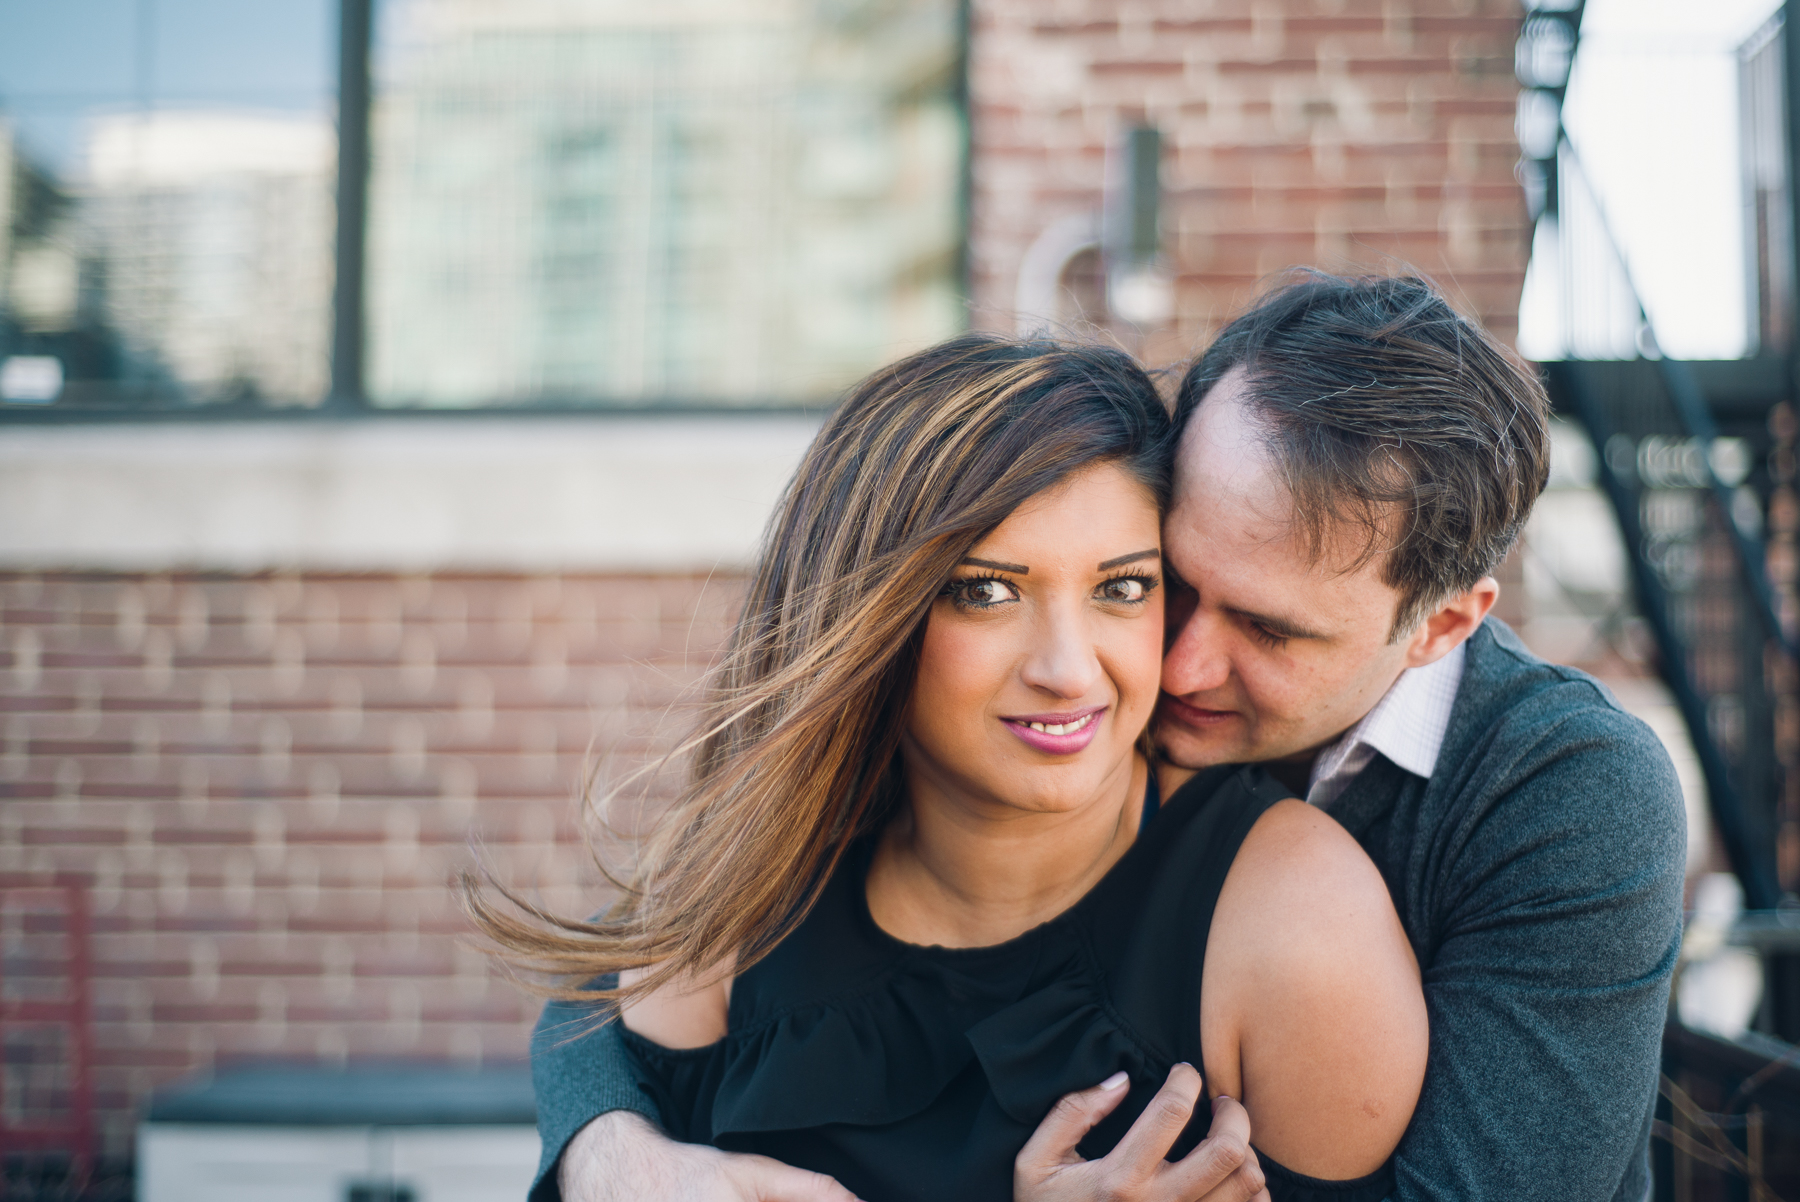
1065, 728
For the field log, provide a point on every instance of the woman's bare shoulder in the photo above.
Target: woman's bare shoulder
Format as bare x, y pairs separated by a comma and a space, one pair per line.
1312, 1006
680, 1013
1296, 857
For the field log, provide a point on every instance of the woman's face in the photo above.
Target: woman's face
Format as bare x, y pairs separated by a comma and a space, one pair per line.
1041, 656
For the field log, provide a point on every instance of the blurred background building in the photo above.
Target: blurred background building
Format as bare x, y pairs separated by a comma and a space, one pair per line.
391, 396
206, 237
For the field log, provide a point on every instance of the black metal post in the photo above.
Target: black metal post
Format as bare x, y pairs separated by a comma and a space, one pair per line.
1783, 969
355, 32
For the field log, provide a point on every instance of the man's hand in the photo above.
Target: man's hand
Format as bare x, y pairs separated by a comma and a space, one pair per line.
620, 1157
1222, 1168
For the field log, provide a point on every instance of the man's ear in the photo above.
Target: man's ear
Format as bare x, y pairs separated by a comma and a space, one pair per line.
1445, 630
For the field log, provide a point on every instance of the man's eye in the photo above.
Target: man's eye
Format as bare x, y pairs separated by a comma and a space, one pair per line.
983, 593
1265, 636
1126, 588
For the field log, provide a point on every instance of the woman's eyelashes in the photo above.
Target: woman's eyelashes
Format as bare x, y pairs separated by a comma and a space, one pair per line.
1129, 589
991, 592
980, 592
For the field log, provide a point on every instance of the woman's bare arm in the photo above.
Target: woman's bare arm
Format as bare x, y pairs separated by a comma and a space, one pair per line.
1312, 1014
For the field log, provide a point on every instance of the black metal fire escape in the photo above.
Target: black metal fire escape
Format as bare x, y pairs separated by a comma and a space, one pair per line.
1698, 462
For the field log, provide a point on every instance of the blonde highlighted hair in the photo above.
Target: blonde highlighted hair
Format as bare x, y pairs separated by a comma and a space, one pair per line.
795, 752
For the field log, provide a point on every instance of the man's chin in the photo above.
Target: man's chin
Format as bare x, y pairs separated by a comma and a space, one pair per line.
1194, 738
1196, 750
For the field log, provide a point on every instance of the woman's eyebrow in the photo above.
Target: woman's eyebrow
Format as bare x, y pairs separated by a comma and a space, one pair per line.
1132, 558
1019, 568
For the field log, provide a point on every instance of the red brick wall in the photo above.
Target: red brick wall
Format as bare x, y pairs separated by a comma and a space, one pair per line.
1336, 133
267, 782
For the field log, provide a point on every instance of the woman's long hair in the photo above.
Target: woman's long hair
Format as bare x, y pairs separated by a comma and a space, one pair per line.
795, 754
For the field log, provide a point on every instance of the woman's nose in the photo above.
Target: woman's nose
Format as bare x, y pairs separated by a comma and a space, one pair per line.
1196, 659
1064, 662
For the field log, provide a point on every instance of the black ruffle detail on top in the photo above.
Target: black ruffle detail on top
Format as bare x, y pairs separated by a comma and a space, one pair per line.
765, 1078
915, 1074
1066, 1026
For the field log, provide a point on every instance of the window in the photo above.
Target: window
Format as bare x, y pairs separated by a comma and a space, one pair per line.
610, 201
165, 203
570, 203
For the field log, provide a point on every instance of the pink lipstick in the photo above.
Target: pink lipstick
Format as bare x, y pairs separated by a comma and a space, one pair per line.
1058, 734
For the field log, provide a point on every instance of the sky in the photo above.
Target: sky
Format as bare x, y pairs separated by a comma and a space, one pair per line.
62, 59
1652, 111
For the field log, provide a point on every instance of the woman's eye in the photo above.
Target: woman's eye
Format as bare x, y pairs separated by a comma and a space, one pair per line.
981, 594
1126, 588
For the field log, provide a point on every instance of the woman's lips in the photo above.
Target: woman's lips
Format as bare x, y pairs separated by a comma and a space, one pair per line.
1058, 734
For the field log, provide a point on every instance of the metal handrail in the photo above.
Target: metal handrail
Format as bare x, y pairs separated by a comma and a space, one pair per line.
1697, 421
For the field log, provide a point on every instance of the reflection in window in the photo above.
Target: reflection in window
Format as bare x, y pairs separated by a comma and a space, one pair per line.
592, 201
166, 172
211, 244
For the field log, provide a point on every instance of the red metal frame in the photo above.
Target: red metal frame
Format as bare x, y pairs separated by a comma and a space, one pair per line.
71, 1012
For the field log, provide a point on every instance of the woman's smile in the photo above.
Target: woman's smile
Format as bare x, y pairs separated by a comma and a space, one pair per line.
1059, 734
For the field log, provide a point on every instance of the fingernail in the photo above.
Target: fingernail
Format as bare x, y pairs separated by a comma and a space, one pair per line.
1113, 1082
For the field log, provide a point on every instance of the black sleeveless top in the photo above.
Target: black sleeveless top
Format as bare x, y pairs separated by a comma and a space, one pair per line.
918, 1073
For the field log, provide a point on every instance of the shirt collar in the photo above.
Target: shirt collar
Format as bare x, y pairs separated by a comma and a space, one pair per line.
1407, 726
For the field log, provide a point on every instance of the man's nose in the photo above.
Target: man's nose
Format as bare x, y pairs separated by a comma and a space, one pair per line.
1196, 659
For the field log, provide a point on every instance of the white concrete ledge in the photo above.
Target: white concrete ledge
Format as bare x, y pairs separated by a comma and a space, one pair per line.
416, 494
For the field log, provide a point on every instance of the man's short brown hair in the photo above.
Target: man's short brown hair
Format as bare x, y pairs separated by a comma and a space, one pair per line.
1386, 409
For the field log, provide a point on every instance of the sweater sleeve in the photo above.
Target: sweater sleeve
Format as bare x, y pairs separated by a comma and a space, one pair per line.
1555, 928
578, 1074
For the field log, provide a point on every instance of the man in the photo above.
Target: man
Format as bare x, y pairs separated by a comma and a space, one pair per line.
1354, 462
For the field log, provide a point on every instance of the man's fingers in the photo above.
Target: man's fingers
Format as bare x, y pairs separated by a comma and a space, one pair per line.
1073, 1116
1156, 1130
766, 1180
1222, 1167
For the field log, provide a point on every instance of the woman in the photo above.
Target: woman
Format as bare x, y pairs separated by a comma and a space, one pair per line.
920, 885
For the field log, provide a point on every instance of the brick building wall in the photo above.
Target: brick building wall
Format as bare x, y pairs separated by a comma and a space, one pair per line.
266, 783
1344, 134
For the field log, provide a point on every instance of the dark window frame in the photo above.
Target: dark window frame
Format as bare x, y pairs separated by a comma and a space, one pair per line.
347, 396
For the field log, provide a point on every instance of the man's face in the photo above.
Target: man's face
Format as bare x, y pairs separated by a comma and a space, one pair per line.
1271, 653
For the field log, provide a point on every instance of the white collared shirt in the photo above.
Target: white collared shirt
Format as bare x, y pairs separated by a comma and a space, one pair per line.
1407, 726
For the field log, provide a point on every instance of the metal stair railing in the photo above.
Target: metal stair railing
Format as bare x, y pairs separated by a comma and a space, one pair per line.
1749, 850
1749, 857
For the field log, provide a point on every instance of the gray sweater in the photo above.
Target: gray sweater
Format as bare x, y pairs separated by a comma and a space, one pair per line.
1538, 873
